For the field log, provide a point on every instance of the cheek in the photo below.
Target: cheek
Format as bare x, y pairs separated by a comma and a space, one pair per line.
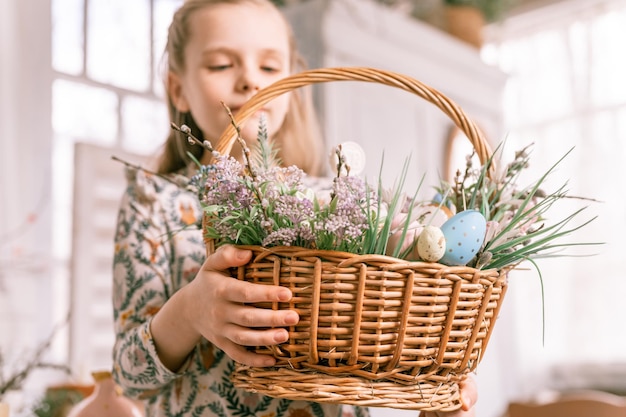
212, 119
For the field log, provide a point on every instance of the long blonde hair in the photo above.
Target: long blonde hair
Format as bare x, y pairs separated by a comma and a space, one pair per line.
299, 138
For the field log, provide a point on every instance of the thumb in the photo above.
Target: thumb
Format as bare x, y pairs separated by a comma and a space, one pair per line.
469, 393
225, 257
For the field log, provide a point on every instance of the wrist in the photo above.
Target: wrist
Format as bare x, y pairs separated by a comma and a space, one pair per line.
173, 333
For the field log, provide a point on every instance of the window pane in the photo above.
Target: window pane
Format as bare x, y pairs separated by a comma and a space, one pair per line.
67, 36
608, 62
146, 124
84, 112
551, 97
63, 168
119, 43
163, 12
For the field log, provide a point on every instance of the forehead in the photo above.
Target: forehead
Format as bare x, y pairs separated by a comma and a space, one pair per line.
244, 26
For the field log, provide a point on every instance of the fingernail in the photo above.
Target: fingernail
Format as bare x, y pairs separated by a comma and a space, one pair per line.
243, 254
292, 319
284, 295
280, 337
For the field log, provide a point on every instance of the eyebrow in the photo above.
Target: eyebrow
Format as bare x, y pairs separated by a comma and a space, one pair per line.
233, 51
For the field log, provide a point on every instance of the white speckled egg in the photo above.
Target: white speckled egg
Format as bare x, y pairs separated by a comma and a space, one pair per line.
354, 157
431, 244
464, 233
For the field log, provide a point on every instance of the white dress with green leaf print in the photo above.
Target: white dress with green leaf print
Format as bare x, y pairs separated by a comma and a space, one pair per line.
159, 249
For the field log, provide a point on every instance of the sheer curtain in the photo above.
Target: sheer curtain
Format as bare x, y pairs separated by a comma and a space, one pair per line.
567, 89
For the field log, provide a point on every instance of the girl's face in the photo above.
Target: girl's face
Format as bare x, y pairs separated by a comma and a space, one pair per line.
233, 51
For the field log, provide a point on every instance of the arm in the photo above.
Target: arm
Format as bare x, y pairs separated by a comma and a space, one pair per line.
213, 306
161, 313
142, 282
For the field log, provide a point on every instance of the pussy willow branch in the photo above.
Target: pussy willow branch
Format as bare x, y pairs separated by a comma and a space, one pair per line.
185, 130
15, 381
242, 142
29, 220
147, 171
248, 164
341, 161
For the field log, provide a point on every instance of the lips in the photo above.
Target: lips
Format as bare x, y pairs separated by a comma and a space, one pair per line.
235, 109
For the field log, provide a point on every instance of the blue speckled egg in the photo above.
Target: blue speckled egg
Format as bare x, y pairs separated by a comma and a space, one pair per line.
464, 233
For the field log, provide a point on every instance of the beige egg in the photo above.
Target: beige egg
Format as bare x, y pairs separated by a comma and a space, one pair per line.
431, 244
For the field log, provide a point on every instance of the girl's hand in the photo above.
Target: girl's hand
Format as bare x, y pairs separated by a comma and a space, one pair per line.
218, 309
469, 396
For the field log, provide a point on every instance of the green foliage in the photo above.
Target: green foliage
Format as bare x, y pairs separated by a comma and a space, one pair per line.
261, 203
56, 403
265, 156
518, 227
492, 10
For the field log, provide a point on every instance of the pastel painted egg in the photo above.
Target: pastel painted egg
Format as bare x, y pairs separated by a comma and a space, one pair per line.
432, 216
438, 198
354, 157
431, 244
443, 209
464, 233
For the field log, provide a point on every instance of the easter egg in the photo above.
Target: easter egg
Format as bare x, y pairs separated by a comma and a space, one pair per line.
464, 233
354, 157
443, 209
431, 244
433, 216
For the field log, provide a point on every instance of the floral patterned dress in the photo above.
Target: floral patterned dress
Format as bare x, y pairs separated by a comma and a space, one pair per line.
159, 249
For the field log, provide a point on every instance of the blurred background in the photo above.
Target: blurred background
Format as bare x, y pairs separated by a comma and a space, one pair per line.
80, 81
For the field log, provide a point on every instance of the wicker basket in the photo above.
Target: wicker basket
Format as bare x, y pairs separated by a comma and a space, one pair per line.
374, 330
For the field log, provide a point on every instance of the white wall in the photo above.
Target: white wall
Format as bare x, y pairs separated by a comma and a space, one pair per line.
26, 316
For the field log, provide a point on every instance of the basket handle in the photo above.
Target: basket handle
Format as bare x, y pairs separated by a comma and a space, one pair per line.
450, 108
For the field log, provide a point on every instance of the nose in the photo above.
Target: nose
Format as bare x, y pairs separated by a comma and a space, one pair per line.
248, 80
250, 86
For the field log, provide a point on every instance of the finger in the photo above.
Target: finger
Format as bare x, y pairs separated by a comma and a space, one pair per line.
247, 292
242, 355
248, 316
245, 336
225, 257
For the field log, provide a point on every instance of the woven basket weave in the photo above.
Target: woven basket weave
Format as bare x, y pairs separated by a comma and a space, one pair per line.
374, 330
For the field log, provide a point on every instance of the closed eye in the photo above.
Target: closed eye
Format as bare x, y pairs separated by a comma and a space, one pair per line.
219, 67
270, 69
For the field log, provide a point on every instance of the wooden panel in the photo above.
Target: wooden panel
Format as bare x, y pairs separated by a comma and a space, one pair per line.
98, 187
580, 404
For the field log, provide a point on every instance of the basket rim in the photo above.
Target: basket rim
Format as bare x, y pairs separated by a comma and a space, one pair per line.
366, 74
354, 258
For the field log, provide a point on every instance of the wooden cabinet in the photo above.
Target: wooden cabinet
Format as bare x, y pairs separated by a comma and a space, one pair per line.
334, 33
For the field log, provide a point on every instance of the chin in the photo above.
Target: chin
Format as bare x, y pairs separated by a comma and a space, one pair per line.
250, 131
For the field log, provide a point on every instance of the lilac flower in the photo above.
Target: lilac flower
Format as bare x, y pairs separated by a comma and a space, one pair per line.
345, 220
293, 209
224, 186
290, 236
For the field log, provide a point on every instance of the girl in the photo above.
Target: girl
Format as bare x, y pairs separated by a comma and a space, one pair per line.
180, 321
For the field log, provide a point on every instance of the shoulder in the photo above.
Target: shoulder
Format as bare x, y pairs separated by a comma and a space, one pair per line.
147, 187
